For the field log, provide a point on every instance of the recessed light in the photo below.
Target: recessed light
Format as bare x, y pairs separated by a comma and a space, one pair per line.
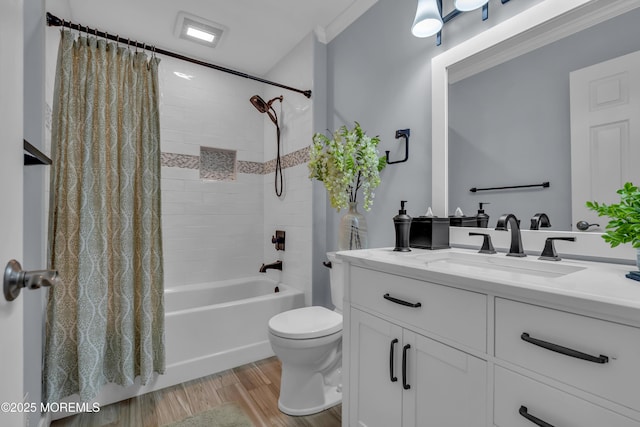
198, 30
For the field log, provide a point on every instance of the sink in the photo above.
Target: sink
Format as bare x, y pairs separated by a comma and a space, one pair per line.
483, 265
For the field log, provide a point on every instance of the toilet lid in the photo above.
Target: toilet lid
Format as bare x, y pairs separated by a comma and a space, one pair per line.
305, 323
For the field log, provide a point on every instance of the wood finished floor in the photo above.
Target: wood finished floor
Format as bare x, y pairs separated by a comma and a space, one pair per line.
254, 387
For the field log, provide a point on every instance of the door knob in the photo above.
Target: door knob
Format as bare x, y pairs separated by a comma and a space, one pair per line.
15, 278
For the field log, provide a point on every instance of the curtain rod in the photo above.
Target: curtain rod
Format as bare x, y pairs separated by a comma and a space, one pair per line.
54, 21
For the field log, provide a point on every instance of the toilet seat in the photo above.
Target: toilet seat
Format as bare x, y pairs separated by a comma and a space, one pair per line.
305, 323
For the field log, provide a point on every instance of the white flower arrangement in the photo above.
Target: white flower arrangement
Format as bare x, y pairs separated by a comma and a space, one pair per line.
345, 164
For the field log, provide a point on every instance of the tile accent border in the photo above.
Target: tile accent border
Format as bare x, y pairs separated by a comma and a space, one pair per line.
186, 161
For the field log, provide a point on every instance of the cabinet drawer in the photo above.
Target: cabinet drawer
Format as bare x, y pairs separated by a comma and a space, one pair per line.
613, 349
447, 312
514, 392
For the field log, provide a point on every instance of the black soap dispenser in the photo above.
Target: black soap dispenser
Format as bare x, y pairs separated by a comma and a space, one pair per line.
482, 218
402, 222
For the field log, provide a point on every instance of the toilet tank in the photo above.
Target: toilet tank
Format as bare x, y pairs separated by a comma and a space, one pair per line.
337, 281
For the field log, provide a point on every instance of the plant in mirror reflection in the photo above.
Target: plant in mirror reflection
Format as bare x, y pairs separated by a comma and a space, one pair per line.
624, 226
346, 163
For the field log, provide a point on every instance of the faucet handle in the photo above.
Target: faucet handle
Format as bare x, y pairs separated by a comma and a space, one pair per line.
487, 246
540, 220
549, 252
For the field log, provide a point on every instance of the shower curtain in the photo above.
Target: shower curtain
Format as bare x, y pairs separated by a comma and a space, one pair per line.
105, 320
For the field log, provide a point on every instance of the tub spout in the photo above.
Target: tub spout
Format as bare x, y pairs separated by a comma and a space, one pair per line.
276, 266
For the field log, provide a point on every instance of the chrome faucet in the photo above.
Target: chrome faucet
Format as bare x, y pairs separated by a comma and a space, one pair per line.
516, 239
540, 220
275, 266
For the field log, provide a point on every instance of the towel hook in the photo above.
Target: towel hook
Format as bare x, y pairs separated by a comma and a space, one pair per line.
401, 133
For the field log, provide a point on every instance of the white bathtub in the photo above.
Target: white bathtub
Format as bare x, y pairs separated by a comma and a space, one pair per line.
211, 327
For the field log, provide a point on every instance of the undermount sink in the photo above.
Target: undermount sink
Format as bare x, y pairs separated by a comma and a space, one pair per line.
482, 264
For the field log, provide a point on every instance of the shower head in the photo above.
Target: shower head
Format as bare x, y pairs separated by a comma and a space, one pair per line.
264, 107
259, 103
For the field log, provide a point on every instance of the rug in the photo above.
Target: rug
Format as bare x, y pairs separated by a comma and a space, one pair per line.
227, 415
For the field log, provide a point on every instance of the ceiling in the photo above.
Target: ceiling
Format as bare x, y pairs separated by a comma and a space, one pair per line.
260, 32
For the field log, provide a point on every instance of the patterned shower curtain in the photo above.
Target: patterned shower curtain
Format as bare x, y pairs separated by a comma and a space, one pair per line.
105, 321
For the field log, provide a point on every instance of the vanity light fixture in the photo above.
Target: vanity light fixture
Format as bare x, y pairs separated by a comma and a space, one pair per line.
429, 20
198, 30
467, 5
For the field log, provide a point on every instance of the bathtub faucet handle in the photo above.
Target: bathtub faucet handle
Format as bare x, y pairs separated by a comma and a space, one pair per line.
278, 240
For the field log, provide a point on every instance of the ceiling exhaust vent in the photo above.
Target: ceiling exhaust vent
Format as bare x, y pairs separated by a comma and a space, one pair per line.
199, 30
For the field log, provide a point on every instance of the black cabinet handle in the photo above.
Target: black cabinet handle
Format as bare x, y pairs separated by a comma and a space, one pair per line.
404, 367
402, 302
564, 350
392, 377
536, 421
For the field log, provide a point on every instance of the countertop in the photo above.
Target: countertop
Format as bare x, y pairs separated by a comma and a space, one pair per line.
592, 288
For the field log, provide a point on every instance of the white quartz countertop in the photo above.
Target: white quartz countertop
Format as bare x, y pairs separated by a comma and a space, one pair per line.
590, 287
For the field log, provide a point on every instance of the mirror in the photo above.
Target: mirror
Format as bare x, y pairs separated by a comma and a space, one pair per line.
510, 125
540, 25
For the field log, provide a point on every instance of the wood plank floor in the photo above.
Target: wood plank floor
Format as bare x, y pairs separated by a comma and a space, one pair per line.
254, 387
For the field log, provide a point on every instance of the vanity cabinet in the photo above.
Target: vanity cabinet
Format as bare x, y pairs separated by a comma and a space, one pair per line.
429, 349
401, 377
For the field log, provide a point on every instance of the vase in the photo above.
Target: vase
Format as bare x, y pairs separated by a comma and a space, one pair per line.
352, 233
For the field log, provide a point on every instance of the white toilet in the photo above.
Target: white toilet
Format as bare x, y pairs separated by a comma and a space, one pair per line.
308, 342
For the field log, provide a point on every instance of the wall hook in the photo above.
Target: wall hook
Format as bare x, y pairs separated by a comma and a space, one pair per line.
401, 133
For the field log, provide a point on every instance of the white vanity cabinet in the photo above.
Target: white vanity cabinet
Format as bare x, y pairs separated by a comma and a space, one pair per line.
488, 352
399, 376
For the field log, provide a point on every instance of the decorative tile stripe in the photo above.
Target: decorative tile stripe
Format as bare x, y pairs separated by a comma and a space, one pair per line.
289, 160
296, 158
256, 168
217, 164
185, 161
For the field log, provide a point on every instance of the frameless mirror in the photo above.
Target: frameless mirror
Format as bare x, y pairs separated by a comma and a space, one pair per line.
501, 107
510, 126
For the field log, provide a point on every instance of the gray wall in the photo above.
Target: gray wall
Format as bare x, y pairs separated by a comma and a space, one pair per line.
510, 125
380, 76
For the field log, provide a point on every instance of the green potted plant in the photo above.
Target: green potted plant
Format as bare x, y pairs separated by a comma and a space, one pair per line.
624, 226
347, 163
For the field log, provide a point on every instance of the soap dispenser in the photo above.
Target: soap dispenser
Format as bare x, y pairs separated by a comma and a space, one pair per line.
402, 222
482, 218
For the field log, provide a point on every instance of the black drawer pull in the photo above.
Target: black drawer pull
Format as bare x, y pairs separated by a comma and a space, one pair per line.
392, 377
564, 350
536, 421
402, 302
405, 385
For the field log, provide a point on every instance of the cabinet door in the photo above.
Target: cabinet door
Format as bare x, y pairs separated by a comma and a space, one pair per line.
448, 388
375, 400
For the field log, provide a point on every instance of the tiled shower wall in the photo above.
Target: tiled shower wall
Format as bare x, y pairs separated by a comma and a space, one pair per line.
212, 226
292, 212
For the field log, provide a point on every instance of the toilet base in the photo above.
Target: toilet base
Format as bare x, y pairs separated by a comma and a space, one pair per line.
332, 397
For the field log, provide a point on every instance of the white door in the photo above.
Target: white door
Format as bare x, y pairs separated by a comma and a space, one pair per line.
605, 133
375, 399
447, 386
11, 352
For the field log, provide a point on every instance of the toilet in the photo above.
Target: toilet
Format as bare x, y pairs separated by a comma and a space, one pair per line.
308, 342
